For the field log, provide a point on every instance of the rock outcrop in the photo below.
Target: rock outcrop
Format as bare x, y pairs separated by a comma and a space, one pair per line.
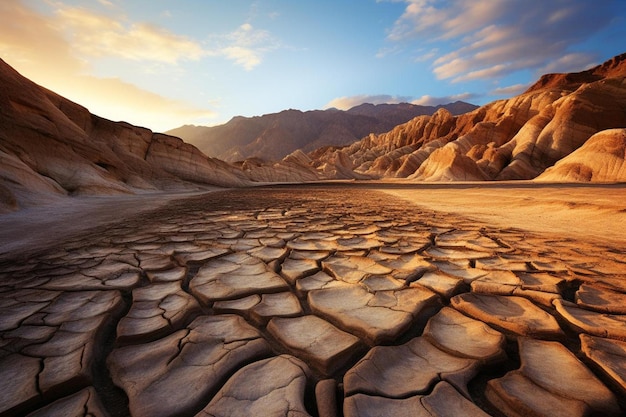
518, 138
602, 159
272, 137
51, 147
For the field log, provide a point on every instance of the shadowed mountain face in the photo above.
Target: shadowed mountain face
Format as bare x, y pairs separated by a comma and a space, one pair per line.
51, 147
273, 136
518, 138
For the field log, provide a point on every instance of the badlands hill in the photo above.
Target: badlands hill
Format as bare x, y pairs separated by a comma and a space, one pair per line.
566, 127
51, 147
271, 137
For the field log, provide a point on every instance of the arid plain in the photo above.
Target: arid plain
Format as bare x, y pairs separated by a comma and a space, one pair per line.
355, 299
470, 261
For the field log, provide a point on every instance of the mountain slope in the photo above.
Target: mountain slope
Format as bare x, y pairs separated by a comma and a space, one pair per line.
273, 136
518, 138
51, 147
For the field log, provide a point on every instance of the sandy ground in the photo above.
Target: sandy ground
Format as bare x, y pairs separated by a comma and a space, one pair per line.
594, 213
40, 227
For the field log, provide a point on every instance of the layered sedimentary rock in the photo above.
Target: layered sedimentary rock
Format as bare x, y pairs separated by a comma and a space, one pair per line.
602, 158
51, 147
518, 138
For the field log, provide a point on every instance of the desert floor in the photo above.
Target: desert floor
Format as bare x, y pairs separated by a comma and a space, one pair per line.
351, 299
590, 212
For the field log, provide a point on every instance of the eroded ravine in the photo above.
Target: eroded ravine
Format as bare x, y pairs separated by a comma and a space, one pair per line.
389, 306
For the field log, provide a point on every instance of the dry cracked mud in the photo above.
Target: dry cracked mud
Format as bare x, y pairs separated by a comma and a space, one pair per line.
321, 301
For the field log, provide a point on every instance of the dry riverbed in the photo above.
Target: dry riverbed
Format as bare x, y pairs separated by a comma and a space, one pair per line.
344, 299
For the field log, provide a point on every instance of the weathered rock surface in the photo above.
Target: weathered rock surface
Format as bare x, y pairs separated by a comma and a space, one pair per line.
324, 346
462, 336
280, 394
518, 138
550, 382
406, 370
591, 322
234, 276
510, 314
49, 340
609, 355
377, 318
261, 308
175, 374
156, 311
443, 401
601, 299
51, 147
84, 403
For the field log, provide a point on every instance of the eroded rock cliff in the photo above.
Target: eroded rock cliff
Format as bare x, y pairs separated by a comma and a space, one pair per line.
518, 138
51, 147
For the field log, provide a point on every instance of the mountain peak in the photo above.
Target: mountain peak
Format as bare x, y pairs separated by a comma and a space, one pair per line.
612, 68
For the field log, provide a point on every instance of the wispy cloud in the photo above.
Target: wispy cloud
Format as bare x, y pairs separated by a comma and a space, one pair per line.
99, 35
28, 38
497, 37
346, 103
511, 90
246, 46
427, 100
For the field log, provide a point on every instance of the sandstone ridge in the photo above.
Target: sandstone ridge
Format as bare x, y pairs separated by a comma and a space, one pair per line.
514, 139
51, 147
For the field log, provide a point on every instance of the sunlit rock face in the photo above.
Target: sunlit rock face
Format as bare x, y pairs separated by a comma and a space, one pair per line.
512, 139
51, 147
272, 137
602, 158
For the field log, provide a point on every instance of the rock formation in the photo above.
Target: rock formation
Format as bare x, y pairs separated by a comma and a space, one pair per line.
51, 147
273, 136
518, 138
602, 158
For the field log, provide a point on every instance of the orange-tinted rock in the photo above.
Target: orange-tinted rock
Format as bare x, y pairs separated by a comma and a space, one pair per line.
52, 146
602, 159
550, 382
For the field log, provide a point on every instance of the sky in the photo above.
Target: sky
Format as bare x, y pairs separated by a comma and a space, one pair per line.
165, 63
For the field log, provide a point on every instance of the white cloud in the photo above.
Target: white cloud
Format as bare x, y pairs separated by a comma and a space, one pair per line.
511, 90
569, 63
35, 40
346, 103
99, 35
487, 39
246, 46
427, 100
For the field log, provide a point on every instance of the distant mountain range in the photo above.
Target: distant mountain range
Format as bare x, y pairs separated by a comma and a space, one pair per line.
273, 136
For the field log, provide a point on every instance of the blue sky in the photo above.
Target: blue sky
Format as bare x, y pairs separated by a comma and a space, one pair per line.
164, 63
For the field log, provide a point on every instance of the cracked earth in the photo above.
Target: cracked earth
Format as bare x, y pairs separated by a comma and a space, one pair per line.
322, 302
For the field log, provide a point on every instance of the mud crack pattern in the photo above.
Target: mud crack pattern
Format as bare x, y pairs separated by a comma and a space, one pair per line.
312, 301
